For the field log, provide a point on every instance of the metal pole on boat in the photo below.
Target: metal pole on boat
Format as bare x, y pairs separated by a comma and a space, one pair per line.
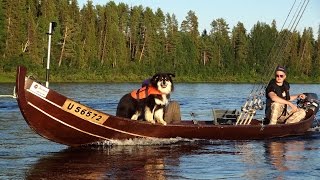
52, 25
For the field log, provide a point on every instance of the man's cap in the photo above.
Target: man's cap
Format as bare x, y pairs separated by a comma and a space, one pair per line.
281, 68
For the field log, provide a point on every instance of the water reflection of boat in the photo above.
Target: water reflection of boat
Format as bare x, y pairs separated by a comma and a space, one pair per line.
66, 121
286, 155
118, 162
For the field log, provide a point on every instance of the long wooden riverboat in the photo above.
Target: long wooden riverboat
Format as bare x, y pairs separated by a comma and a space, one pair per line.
66, 121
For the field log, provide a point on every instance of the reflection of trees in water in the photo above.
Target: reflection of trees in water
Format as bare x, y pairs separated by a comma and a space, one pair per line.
118, 162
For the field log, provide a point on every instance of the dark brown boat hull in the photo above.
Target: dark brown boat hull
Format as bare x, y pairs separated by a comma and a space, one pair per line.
68, 122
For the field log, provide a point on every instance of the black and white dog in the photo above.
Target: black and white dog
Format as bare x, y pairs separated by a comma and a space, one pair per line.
148, 102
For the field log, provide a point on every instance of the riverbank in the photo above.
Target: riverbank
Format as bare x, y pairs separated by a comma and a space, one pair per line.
93, 78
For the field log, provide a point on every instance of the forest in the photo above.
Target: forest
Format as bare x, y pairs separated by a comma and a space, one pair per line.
122, 43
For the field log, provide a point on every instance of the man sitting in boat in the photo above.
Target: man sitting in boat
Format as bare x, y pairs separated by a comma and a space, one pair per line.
278, 99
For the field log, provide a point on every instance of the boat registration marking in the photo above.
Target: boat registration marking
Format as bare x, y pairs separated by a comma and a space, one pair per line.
84, 112
38, 89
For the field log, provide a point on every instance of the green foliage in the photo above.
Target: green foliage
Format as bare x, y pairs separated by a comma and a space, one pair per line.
114, 42
2, 28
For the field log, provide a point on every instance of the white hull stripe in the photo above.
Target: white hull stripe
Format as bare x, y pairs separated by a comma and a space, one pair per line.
124, 132
65, 123
44, 99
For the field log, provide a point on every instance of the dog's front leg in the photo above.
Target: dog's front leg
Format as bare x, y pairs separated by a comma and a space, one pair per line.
158, 115
148, 115
136, 115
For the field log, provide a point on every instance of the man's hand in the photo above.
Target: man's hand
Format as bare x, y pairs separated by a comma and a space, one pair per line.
301, 96
294, 108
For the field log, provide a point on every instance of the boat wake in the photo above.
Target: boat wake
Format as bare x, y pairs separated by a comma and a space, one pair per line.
315, 129
159, 142
145, 142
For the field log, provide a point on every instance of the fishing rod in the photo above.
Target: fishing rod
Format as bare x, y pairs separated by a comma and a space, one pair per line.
278, 39
282, 42
270, 56
286, 39
254, 100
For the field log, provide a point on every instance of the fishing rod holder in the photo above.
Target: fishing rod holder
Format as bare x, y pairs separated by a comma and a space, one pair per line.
248, 111
256, 104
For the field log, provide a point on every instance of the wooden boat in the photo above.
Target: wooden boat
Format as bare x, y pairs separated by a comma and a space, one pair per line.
69, 122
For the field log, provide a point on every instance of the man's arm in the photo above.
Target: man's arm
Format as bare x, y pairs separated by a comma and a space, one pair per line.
294, 97
273, 96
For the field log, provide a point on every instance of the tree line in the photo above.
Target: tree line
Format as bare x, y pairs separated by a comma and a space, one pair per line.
118, 42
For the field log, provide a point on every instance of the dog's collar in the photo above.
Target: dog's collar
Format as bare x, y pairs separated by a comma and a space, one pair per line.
144, 92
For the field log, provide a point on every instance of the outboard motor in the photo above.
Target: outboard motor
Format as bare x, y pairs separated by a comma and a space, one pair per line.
310, 103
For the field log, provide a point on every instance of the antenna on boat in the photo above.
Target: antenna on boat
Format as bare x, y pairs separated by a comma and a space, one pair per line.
52, 25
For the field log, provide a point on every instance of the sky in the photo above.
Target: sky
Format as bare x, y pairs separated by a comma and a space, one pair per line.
249, 12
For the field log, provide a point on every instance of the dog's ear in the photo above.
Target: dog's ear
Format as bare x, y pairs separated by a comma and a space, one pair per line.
155, 76
171, 75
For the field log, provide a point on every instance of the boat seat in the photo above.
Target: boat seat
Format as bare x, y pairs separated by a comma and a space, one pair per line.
225, 116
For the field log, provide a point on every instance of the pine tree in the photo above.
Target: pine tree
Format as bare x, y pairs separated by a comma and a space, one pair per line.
88, 47
240, 45
160, 39
2, 29
70, 32
33, 45
220, 34
48, 13
190, 25
171, 30
114, 41
145, 35
123, 35
306, 51
292, 56
263, 54
75, 41
189, 40
316, 63
15, 29
205, 48
135, 33
102, 32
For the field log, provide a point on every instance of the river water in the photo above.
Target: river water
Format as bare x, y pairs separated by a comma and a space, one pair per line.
26, 155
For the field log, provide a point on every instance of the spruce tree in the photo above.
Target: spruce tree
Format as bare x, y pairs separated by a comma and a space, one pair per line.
88, 47
240, 44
